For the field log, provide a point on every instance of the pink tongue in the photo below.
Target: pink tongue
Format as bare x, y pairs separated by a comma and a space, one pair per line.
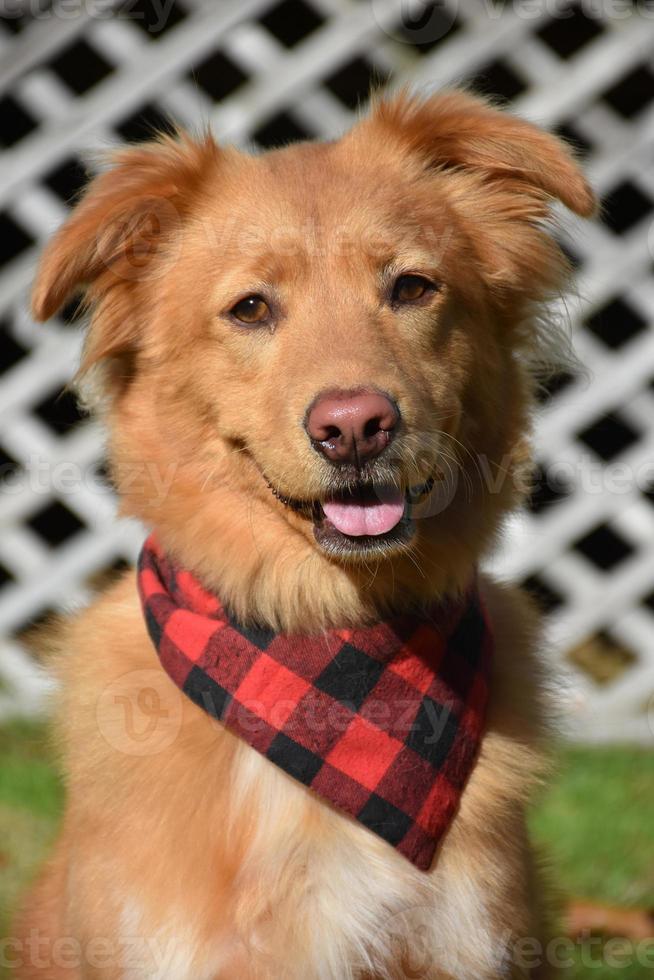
357, 519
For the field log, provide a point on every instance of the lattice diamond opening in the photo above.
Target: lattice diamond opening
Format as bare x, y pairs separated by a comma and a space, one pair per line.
269, 71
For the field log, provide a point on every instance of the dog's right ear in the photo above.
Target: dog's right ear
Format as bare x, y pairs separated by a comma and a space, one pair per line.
125, 217
454, 130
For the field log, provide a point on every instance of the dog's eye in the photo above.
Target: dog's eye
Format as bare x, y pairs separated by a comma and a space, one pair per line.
408, 289
252, 309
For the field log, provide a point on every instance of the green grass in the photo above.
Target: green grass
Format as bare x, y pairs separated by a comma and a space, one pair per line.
28, 779
595, 823
31, 798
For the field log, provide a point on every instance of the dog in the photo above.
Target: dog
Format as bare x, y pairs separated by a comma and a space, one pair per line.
314, 365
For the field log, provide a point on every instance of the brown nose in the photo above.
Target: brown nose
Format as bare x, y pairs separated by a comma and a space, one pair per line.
352, 427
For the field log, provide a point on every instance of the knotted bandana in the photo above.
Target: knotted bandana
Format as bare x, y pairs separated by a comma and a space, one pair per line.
384, 722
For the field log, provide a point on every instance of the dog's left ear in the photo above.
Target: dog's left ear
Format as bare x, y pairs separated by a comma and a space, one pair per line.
124, 218
115, 240
461, 131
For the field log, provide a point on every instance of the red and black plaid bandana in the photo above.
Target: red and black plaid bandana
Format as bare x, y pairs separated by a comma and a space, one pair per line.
383, 722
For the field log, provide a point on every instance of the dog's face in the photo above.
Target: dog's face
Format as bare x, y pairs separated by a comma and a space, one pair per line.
322, 342
326, 341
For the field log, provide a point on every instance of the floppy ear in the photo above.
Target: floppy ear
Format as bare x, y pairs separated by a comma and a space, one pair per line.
459, 130
127, 214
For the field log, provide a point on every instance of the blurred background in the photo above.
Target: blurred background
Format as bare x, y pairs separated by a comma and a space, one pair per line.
80, 75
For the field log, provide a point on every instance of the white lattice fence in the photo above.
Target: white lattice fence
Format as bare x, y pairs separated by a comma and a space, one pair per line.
75, 76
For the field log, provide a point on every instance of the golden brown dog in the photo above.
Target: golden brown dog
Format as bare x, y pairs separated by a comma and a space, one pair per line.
404, 270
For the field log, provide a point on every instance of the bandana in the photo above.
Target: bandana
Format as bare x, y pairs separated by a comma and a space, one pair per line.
384, 722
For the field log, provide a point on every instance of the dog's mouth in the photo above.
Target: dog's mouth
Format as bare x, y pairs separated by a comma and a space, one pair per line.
363, 520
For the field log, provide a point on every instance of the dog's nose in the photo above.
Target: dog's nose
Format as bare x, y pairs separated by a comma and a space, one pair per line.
352, 428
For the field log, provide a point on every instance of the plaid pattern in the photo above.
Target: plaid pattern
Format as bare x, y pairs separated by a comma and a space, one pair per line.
383, 722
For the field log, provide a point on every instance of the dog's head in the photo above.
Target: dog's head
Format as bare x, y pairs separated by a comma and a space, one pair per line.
314, 357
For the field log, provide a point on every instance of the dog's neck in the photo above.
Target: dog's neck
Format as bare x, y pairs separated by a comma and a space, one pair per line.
271, 573
384, 722
289, 585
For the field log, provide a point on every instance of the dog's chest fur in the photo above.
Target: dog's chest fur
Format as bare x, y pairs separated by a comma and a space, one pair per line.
224, 865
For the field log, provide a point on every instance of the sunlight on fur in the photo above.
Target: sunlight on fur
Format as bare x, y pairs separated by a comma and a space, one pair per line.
203, 848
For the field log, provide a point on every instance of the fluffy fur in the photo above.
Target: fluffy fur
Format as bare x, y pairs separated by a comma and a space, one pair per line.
216, 862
